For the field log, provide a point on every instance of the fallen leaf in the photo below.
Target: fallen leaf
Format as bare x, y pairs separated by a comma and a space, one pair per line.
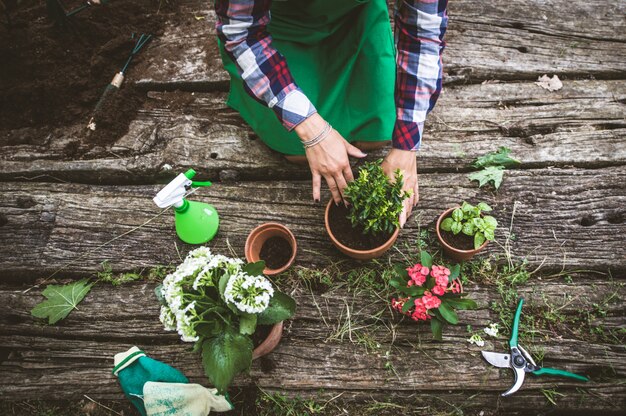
489, 174
550, 84
61, 300
499, 158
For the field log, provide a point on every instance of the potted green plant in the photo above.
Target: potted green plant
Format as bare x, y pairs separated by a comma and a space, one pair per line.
465, 230
368, 225
222, 304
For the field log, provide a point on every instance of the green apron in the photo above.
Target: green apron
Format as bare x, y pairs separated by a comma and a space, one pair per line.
341, 54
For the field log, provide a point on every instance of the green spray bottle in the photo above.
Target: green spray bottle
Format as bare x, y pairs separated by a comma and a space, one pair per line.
196, 222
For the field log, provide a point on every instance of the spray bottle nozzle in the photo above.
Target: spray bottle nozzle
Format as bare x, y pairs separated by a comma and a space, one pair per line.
174, 192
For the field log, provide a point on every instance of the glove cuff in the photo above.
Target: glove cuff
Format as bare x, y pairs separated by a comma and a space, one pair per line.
124, 359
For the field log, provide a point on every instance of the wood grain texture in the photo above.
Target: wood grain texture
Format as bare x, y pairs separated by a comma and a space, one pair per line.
582, 125
563, 217
511, 40
78, 352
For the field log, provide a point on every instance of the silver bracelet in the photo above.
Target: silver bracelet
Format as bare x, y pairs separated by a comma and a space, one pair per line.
317, 139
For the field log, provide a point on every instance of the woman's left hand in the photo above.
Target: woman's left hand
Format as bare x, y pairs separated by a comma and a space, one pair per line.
406, 161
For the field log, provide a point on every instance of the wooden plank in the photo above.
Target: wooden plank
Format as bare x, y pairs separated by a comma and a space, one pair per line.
78, 351
513, 40
581, 125
563, 218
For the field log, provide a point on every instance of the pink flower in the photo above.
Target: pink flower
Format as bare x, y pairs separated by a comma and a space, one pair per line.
441, 280
455, 287
439, 290
430, 301
418, 274
439, 271
420, 313
398, 304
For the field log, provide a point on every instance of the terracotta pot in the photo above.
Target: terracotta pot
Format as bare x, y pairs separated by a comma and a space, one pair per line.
358, 254
271, 342
455, 253
260, 235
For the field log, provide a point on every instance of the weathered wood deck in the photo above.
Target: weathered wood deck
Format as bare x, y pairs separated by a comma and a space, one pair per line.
569, 194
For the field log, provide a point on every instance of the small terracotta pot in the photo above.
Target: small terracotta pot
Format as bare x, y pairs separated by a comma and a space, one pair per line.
358, 254
271, 342
260, 235
455, 253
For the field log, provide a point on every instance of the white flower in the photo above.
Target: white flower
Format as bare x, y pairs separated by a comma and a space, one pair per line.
167, 318
476, 339
492, 330
249, 294
184, 323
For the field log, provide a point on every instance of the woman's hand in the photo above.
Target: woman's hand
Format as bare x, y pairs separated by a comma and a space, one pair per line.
406, 161
329, 158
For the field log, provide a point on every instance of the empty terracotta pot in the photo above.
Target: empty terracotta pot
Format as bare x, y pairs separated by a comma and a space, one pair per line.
271, 342
455, 253
358, 254
260, 235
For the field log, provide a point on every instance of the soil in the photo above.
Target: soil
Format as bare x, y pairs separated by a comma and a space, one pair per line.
53, 75
350, 236
276, 252
459, 241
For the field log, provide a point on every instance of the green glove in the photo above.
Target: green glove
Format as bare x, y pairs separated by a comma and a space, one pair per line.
134, 369
164, 399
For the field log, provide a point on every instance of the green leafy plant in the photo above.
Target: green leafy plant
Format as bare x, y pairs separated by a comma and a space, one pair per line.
217, 302
375, 201
492, 167
469, 220
429, 292
61, 300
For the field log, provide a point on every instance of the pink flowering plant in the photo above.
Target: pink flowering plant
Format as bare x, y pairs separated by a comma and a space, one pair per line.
429, 292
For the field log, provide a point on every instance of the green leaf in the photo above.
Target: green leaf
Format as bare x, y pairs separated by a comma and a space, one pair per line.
489, 174
489, 235
468, 228
401, 271
446, 224
436, 327
281, 307
225, 356
448, 313
255, 269
247, 323
158, 292
413, 290
484, 207
408, 305
462, 304
426, 259
454, 272
490, 221
479, 239
61, 300
456, 227
457, 214
498, 158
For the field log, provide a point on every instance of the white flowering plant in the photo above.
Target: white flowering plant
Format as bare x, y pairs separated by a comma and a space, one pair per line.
217, 302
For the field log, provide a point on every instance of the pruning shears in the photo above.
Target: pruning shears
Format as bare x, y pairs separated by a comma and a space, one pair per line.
520, 361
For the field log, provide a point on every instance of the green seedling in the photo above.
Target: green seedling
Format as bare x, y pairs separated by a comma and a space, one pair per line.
469, 220
375, 201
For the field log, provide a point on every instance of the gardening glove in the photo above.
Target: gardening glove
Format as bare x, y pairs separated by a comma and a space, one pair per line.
162, 399
134, 369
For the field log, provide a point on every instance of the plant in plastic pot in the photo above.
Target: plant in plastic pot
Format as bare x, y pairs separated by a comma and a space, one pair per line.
221, 304
465, 231
368, 225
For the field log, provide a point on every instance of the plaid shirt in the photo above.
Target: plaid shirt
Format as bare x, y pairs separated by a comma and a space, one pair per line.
419, 31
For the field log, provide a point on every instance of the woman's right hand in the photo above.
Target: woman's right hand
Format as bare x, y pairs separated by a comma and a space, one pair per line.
329, 158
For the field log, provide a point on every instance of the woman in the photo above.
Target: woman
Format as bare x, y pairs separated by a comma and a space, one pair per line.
322, 63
